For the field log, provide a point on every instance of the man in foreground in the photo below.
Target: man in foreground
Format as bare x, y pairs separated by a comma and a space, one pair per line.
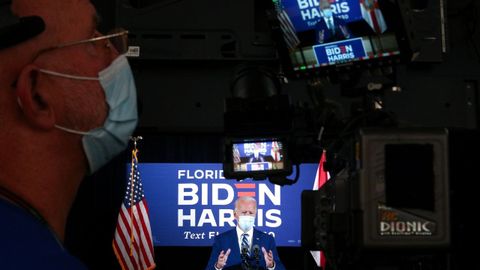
67, 107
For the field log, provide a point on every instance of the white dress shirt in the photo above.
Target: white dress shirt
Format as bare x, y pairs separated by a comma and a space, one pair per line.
249, 238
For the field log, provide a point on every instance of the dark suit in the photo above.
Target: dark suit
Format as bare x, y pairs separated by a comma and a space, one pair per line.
229, 240
323, 34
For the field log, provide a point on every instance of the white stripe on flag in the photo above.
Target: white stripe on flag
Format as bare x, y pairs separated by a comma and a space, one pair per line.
132, 242
288, 30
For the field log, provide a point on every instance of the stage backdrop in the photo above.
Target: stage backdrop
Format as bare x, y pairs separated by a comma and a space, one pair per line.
304, 14
190, 203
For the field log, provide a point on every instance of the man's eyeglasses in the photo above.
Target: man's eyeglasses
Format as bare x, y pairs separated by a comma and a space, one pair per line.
117, 37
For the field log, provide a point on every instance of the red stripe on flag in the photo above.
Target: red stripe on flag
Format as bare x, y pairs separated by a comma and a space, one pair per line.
143, 234
321, 178
374, 21
139, 247
147, 228
119, 252
321, 173
132, 242
123, 245
126, 239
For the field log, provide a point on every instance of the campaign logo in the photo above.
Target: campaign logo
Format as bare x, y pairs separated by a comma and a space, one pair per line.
191, 203
339, 52
304, 14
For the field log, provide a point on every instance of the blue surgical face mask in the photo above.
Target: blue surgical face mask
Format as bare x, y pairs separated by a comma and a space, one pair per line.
101, 144
246, 222
327, 12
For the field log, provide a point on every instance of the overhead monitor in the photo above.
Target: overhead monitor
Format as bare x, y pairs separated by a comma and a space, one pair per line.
356, 33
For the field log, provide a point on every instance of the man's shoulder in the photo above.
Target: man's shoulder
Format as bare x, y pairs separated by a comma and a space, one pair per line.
338, 20
227, 233
261, 234
27, 243
320, 22
258, 231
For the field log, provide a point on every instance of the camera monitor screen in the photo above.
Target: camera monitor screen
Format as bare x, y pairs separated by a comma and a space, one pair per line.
256, 158
321, 34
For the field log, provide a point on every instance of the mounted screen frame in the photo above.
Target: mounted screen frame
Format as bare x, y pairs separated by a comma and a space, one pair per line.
302, 55
256, 157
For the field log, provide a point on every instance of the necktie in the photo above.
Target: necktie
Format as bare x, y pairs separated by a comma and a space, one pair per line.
245, 244
331, 25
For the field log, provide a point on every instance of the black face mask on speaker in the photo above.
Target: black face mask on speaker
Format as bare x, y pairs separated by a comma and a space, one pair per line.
15, 30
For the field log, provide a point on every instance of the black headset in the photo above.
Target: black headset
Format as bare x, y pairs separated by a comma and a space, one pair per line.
15, 30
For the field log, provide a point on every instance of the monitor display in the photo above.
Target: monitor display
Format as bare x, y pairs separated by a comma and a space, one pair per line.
321, 34
258, 156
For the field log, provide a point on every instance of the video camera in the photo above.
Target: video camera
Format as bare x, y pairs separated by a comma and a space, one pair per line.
394, 201
258, 124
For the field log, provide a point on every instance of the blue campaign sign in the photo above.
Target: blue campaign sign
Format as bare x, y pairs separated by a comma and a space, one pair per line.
190, 203
339, 51
304, 14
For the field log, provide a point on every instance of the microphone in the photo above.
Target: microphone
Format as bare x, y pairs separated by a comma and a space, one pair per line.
244, 255
256, 251
256, 255
244, 251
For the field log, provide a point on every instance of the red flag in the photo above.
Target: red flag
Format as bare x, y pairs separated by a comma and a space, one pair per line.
320, 178
133, 243
372, 14
275, 151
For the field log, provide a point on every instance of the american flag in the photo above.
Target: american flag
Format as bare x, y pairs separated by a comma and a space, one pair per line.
275, 151
288, 30
320, 178
133, 244
372, 14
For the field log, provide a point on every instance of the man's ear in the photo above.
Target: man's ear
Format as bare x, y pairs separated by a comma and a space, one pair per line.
36, 106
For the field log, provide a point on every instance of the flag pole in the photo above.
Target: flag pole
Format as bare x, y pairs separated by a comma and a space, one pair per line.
135, 139
134, 249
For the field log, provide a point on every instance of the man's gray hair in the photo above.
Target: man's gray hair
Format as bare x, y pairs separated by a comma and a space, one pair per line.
245, 199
